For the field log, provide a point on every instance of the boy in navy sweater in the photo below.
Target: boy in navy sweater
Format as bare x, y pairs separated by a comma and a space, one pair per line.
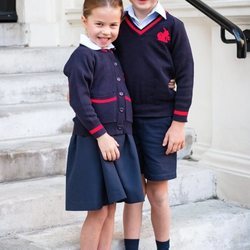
153, 48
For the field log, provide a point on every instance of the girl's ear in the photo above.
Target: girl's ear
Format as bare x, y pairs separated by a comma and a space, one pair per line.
83, 20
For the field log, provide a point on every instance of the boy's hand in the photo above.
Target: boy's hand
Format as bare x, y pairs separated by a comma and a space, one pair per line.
172, 84
175, 137
109, 147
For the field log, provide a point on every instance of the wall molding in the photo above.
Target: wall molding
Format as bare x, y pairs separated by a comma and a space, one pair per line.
236, 10
227, 162
73, 16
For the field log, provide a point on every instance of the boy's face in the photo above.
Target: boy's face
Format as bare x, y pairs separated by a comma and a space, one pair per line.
143, 6
102, 25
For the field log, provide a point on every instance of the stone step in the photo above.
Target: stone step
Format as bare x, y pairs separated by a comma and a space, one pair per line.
13, 34
33, 120
33, 204
26, 60
194, 182
207, 225
33, 88
33, 157
39, 203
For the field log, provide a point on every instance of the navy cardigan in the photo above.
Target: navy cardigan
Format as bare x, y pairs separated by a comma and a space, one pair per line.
98, 93
150, 58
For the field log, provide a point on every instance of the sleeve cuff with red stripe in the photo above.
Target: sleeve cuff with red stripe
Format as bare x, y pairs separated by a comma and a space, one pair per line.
180, 116
98, 131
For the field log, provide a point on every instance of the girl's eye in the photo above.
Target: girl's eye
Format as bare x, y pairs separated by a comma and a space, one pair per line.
114, 25
99, 24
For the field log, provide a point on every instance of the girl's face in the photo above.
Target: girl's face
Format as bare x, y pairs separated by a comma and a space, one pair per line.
143, 7
102, 25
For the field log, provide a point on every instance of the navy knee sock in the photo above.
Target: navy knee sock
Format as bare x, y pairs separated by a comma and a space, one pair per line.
162, 245
131, 244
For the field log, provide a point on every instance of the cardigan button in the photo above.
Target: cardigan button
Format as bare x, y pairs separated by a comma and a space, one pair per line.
121, 109
115, 63
121, 94
119, 127
118, 79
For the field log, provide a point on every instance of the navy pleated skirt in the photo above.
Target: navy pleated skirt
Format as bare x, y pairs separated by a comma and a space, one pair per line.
92, 182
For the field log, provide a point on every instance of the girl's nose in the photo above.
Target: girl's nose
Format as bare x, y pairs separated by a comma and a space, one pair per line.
106, 31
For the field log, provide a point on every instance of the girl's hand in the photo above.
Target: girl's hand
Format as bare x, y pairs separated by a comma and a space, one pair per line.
109, 147
175, 137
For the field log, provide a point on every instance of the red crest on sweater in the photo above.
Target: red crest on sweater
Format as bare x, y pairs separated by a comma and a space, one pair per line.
163, 36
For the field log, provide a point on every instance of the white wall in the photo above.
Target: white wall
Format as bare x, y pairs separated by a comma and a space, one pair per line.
47, 22
220, 112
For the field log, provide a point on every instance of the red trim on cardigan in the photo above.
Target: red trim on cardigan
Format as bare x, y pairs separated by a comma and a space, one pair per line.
181, 113
94, 130
145, 29
100, 101
127, 98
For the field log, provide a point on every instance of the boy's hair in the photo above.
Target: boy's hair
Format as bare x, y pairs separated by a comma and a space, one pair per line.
89, 5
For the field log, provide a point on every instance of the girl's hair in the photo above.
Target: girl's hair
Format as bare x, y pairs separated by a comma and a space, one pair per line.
89, 5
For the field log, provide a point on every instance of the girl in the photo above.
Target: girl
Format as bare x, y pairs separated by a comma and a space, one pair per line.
102, 166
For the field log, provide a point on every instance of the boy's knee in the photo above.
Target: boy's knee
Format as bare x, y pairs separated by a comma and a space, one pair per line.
157, 196
158, 199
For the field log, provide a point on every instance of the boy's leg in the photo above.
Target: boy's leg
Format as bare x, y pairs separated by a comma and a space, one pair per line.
157, 167
157, 192
105, 240
92, 227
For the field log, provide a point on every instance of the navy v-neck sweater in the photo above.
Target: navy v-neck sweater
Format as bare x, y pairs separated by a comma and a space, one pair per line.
150, 58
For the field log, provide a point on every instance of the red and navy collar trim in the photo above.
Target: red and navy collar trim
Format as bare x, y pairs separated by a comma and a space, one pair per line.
145, 29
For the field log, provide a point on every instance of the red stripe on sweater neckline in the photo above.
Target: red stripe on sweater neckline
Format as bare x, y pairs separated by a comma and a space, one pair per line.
145, 29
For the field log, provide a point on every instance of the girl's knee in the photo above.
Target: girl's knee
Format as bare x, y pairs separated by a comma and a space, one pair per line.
111, 210
99, 215
133, 207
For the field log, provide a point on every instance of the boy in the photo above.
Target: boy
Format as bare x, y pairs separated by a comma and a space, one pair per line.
153, 48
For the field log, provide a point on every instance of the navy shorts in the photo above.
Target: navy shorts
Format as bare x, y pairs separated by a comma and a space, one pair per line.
149, 134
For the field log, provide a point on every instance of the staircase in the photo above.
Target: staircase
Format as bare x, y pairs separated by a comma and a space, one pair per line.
35, 126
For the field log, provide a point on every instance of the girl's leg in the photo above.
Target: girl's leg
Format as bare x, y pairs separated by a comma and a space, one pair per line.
157, 192
92, 227
107, 229
132, 218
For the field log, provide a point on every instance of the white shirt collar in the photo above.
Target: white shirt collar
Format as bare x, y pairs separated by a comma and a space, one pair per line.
84, 40
157, 9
